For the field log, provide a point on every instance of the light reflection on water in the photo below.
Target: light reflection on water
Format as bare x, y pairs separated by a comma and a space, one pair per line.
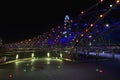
34, 64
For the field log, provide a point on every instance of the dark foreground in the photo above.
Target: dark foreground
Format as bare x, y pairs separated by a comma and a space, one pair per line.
55, 69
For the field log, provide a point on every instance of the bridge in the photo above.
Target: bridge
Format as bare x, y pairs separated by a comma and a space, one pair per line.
89, 31
82, 45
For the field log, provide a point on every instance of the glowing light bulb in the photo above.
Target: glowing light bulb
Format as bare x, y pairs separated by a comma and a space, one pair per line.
60, 55
107, 25
90, 36
86, 30
101, 0
48, 54
17, 56
58, 26
117, 1
82, 12
77, 41
71, 21
82, 35
101, 15
72, 47
91, 25
65, 27
111, 5
32, 55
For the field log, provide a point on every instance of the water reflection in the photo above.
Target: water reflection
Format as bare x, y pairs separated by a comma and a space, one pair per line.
36, 64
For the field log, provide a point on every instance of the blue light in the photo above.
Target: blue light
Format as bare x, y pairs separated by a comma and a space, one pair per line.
64, 32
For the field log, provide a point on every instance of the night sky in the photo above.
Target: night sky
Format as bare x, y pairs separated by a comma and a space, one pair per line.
22, 20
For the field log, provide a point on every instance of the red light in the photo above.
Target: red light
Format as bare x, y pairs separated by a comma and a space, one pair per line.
86, 30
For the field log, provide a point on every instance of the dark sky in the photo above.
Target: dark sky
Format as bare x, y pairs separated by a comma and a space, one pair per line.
22, 20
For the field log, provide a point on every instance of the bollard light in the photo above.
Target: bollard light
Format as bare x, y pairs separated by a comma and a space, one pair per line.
17, 56
48, 54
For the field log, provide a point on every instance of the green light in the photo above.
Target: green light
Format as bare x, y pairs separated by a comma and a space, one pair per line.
32, 55
48, 54
33, 59
60, 55
48, 62
24, 70
97, 70
17, 64
17, 56
48, 59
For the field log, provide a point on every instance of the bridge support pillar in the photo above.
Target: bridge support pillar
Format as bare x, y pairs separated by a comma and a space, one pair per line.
97, 53
113, 55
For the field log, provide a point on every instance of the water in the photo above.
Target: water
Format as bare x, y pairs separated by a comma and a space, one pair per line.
57, 69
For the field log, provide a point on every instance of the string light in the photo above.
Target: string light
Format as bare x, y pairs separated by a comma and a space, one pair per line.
65, 27
107, 25
86, 30
71, 21
90, 36
72, 47
101, 0
91, 25
58, 26
101, 16
82, 12
117, 1
77, 41
111, 5
60, 32
82, 35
